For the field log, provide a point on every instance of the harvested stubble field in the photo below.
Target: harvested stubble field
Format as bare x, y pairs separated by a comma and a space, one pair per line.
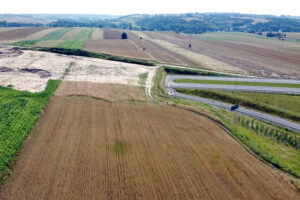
106, 91
116, 47
123, 151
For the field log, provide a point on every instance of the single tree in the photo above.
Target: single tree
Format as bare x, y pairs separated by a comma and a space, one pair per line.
124, 36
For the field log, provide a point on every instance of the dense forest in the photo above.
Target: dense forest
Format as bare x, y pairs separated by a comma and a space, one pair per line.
186, 23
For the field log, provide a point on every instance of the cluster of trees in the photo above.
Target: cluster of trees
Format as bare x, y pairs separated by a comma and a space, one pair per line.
186, 23
279, 35
90, 23
17, 24
278, 135
191, 23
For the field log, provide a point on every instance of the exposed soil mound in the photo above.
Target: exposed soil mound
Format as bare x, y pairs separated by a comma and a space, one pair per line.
6, 69
42, 73
10, 52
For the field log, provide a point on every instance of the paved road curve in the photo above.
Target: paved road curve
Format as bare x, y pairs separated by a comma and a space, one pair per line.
171, 84
245, 79
244, 111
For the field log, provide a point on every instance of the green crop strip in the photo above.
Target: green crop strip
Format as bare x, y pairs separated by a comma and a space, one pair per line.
54, 35
79, 41
18, 112
237, 83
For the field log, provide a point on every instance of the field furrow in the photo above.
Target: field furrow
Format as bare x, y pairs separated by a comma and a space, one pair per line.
88, 149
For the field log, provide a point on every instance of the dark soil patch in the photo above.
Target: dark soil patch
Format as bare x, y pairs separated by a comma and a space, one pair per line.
42, 73
6, 69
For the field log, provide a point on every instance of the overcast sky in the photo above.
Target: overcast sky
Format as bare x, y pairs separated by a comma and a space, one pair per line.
124, 7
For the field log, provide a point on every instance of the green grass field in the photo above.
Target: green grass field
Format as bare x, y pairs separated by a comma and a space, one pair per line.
288, 85
18, 112
79, 41
54, 35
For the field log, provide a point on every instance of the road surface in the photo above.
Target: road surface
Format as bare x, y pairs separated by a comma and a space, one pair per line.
171, 84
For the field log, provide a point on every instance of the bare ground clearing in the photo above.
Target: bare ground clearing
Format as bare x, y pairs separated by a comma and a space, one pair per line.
81, 69
88, 149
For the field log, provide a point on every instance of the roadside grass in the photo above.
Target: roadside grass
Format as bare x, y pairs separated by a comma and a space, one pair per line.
78, 41
54, 35
19, 110
283, 105
288, 85
176, 70
279, 154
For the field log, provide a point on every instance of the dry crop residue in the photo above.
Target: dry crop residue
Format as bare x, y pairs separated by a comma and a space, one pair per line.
106, 91
89, 149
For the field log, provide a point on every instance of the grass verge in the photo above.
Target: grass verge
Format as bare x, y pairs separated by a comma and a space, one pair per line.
182, 71
288, 85
19, 110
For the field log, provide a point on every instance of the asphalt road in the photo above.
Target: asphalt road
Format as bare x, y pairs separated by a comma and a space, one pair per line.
245, 79
244, 111
171, 84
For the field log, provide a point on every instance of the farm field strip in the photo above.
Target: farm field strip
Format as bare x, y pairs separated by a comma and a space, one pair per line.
256, 55
18, 112
162, 54
67, 36
203, 61
123, 153
18, 34
97, 34
54, 35
116, 47
78, 41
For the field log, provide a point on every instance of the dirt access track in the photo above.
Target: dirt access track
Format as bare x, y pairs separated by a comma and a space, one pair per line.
83, 148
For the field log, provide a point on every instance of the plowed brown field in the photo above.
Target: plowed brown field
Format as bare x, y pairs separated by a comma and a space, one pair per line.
19, 33
116, 47
162, 54
88, 149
